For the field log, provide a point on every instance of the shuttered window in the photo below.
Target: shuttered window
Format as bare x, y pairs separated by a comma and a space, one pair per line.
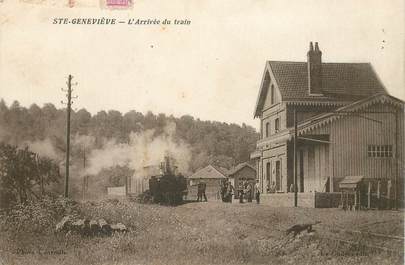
379, 151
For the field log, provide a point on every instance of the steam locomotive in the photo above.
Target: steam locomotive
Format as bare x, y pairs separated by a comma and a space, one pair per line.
168, 188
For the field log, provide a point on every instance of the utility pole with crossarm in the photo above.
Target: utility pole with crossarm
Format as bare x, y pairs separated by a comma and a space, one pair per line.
69, 103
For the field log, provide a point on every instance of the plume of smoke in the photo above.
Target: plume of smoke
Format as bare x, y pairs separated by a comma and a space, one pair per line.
43, 148
143, 149
111, 154
85, 141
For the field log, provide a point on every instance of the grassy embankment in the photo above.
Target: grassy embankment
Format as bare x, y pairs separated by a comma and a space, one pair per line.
204, 233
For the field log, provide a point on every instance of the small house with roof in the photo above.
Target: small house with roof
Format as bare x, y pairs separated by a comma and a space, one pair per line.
212, 176
242, 172
345, 121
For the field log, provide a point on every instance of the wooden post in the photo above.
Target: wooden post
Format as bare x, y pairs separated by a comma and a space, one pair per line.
389, 193
359, 200
68, 109
84, 188
369, 195
378, 194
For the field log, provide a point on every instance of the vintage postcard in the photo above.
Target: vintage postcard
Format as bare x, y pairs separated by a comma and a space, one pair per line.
202, 132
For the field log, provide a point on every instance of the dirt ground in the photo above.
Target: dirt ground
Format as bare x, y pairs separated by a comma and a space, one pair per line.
218, 233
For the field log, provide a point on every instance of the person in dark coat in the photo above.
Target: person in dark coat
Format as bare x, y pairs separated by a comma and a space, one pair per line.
204, 187
230, 192
199, 191
249, 192
240, 192
257, 192
224, 189
273, 187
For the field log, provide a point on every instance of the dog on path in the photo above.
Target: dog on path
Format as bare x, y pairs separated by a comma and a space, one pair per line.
297, 229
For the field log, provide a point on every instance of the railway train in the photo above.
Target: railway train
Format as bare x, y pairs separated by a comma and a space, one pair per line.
169, 187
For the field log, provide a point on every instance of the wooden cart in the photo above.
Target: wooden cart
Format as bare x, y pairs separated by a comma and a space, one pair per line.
358, 192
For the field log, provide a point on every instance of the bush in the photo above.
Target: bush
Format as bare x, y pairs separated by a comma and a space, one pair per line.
37, 216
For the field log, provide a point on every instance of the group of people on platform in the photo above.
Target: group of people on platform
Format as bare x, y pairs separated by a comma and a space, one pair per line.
227, 190
245, 191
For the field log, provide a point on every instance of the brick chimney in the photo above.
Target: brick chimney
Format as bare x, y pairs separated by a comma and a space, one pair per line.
314, 69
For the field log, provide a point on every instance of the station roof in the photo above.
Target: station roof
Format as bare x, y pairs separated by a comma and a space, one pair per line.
210, 172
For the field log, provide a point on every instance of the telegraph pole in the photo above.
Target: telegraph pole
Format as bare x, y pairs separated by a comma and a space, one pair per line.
295, 159
85, 179
68, 110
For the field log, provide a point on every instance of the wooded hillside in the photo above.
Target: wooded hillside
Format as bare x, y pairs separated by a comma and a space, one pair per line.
213, 142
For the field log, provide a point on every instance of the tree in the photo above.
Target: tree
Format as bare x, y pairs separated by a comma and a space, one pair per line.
149, 120
210, 141
3, 118
114, 123
3, 109
132, 121
55, 122
22, 172
37, 130
161, 121
50, 112
80, 122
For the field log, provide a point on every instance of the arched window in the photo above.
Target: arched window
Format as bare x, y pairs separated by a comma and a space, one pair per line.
277, 125
267, 129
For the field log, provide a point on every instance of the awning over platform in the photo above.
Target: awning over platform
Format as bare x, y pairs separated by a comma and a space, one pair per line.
350, 182
314, 139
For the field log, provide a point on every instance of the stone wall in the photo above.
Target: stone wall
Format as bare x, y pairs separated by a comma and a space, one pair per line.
327, 199
309, 200
287, 199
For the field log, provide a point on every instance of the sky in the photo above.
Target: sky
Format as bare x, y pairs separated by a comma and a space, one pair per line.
210, 69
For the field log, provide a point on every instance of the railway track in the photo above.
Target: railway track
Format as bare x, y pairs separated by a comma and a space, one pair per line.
364, 239
368, 241
348, 236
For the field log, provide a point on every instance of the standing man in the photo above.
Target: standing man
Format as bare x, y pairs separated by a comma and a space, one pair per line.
249, 192
257, 191
230, 192
223, 190
204, 187
199, 191
240, 191
273, 187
